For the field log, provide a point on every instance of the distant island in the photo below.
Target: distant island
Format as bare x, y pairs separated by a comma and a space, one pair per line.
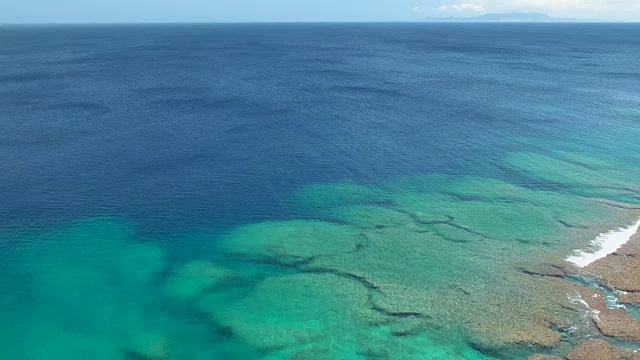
508, 17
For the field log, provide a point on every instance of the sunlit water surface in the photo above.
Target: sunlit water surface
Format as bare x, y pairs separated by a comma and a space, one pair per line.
315, 191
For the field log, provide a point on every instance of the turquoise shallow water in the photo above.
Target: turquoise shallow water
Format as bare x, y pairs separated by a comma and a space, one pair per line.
307, 191
422, 267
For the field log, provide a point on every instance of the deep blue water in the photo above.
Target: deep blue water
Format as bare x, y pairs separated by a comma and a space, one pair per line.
180, 125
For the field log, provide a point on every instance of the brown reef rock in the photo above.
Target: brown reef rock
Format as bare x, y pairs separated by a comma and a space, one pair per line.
620, 270
629, 298
601, 350
543, 357
593, 350
611, 322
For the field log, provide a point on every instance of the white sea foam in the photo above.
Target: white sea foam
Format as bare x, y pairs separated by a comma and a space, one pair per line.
589, 313
577, 299
613, 302
603, 245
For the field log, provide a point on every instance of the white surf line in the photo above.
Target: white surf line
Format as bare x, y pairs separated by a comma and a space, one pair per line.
603, 245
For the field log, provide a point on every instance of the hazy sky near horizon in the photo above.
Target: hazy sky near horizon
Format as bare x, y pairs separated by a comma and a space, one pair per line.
82, 11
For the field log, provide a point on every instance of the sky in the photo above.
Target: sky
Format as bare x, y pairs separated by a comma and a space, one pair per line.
118, 11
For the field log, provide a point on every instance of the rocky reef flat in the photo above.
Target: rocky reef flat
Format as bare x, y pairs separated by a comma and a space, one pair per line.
605, 306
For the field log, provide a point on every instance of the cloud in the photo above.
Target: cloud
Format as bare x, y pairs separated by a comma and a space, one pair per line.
462, 7
565, 7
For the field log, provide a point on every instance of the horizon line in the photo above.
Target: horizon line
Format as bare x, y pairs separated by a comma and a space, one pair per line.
417, 21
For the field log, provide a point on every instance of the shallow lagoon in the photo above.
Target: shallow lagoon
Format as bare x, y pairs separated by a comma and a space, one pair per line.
421, 267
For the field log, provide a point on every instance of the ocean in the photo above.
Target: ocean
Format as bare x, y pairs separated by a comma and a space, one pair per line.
308, 191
